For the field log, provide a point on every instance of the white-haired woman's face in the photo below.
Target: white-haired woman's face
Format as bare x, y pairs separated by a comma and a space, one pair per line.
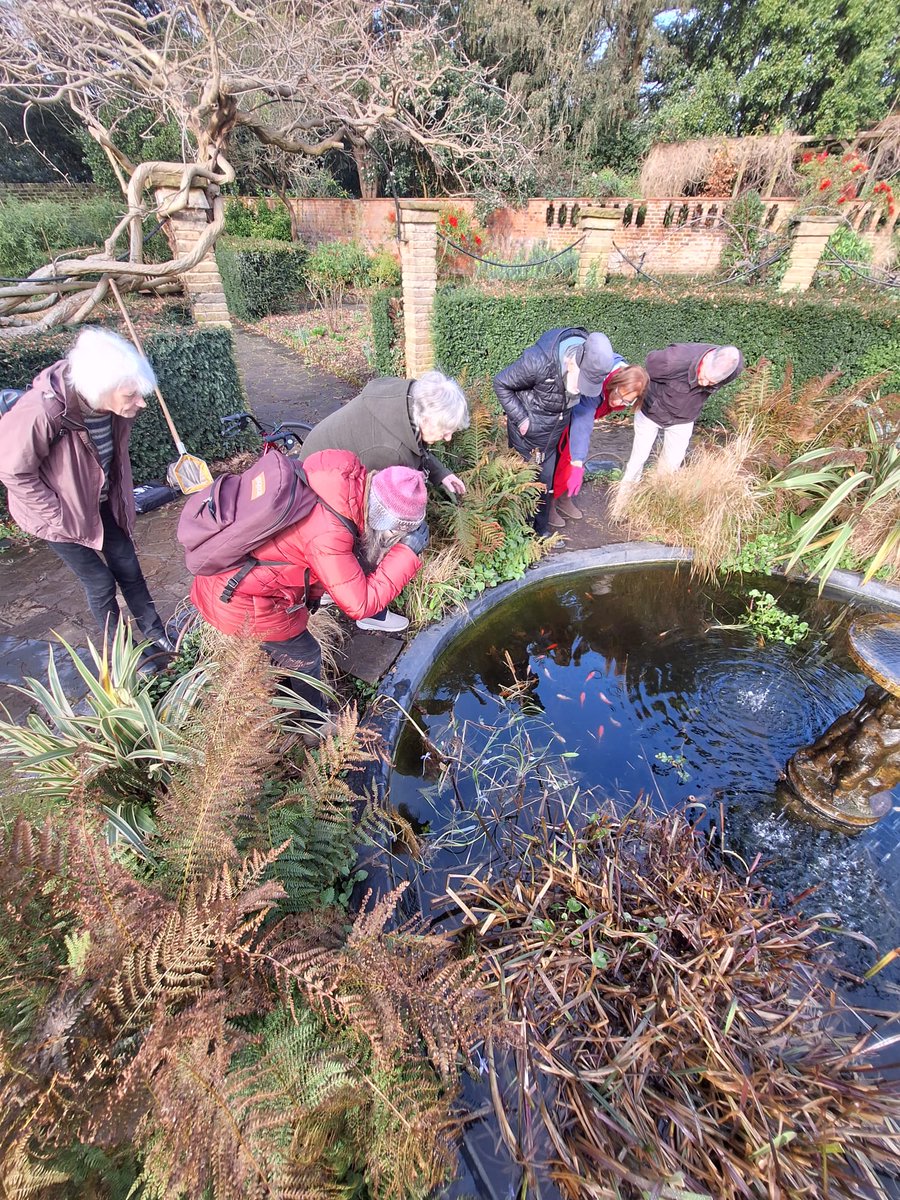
431, 431
124, 401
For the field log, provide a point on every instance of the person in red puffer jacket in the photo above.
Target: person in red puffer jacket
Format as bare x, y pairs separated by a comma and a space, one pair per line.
362, 575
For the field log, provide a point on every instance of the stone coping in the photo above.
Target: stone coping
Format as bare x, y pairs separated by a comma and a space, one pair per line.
400, 686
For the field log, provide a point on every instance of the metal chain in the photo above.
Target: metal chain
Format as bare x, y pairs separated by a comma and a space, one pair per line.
510, 266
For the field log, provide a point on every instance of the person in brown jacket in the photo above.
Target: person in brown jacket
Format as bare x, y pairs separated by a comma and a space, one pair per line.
682, 378
64, 461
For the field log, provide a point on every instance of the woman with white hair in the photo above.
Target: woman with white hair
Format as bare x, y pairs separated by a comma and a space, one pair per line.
64, 461
682, 378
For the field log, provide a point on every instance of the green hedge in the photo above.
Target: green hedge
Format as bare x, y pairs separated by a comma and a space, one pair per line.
477, 332
386, 335
260, 276
197, 375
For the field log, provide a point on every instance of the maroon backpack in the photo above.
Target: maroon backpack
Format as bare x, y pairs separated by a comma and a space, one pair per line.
222, 525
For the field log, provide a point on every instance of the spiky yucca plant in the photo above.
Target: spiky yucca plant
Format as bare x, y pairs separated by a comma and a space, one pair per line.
119, 736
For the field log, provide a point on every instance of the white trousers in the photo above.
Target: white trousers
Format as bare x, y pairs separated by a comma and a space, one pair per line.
675, 443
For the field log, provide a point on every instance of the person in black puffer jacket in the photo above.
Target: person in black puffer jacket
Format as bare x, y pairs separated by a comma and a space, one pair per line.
539, 390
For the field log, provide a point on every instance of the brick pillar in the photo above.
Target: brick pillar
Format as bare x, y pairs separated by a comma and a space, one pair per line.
418, 259
810, 236
598, 226
202, 283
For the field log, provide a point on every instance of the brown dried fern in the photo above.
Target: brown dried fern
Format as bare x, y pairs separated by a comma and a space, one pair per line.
200, 814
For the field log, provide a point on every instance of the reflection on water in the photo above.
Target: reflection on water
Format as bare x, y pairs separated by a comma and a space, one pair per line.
628, 674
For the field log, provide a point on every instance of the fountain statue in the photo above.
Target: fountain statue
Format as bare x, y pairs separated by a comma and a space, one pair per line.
846, 776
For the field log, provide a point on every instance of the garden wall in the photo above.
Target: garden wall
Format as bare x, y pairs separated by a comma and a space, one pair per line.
669, 236
51, 191
477, 332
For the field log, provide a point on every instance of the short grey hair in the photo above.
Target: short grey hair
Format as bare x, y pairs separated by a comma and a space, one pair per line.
439, 401
101, 361
721, 362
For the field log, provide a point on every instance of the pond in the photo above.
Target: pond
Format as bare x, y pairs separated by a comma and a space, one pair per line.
630, 683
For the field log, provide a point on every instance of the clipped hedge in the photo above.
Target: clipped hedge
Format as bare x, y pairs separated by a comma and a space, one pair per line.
477, 332
260, 276
197, 375
386, 334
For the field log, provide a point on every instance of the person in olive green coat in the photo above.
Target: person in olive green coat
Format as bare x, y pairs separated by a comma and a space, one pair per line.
392, 422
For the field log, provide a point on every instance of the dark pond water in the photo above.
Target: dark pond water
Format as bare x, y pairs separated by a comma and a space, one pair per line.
632, 687
631, 678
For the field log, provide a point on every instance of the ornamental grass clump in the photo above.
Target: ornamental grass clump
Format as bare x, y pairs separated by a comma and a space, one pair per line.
672, 1035
711, 505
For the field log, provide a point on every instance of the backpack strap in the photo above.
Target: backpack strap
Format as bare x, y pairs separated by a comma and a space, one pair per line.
239, 576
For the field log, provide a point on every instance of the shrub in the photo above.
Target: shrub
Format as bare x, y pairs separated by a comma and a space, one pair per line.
844, 243
31, 233
606, 183
335, 266
260, 276
387, 334
384, 269
197, 375
253, 218
478, 333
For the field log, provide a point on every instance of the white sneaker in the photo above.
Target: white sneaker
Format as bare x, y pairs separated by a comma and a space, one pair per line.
325, 600
387, 622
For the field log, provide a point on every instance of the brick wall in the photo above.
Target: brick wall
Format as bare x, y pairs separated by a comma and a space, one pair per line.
668, 235
50, 191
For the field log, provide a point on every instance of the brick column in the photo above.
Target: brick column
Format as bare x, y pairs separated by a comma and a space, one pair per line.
202, 283
598, 226
810, 236
418, 259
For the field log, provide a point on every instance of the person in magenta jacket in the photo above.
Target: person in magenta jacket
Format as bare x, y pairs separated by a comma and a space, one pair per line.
361, 575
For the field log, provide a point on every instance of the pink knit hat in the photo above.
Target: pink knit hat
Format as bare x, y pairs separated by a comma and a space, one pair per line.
397, 499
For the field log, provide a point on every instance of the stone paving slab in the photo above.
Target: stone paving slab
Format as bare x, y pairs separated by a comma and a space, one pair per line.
368, 656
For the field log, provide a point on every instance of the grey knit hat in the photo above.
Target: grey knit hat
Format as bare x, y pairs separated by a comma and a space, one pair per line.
595, 361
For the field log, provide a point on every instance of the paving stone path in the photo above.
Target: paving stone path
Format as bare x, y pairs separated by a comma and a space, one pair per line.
40, 600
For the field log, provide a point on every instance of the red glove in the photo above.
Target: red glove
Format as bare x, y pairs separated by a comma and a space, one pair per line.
575, 480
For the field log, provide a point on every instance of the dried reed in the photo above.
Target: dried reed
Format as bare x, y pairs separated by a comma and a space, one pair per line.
674, 1036
711, 505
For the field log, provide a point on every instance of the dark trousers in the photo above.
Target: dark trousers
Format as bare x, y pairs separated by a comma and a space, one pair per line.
99, 578
546, 469
301, 653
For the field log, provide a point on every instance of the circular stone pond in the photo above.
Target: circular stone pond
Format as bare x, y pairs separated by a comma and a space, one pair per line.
637, 680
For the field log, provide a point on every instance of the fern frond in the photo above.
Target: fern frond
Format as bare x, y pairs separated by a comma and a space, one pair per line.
199, 815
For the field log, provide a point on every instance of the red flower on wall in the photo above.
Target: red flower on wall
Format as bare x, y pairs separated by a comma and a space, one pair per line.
452, 222
477, 240
807, 157
823, 157
826, 183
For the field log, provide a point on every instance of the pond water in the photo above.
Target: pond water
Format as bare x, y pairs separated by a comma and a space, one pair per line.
632, 686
